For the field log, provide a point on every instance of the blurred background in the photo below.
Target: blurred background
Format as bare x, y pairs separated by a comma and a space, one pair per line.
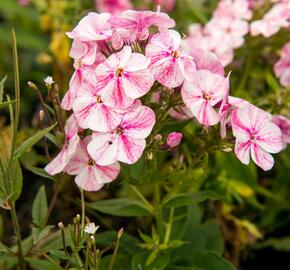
43, 50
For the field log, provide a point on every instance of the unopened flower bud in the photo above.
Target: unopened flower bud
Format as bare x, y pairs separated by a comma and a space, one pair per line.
227, 149
93, 240
60, 225
117, 41
120, 232
41, 115
174, 139
149, 155
158, 137
32, 85
78, 217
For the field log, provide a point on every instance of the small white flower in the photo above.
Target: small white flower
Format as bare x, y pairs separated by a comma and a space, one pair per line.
49, 80
91, 228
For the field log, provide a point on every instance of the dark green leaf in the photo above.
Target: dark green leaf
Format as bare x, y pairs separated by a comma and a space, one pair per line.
39, 208
26, 145
190, 198
41, 264
121, 207
40, 172
4, 104
15, 181
204, 260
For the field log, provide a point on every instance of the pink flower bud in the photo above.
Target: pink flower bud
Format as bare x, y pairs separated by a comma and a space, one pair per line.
173, 139
117, 41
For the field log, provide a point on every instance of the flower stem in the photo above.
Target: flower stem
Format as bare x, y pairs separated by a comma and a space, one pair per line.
16, 227
83, 212
158, 210
169, 226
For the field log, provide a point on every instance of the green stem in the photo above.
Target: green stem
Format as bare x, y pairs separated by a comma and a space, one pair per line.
158, 210
169, 226
16, 227
114, 256
83, 212
149, 206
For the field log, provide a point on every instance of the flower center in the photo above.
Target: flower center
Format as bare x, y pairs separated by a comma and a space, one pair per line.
98, 99
206, 97
91, 162
175, 54
79, 63
120, 72
253, 135
119, 131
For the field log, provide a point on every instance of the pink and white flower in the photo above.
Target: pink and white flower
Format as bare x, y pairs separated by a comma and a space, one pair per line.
282, 67
84, 76
92, 113
127, 142
123, 77
275, 19
68, 149
238, 9
284, 124
201, 94
169, 63
93, 27
256, 136
84, 53
89, 175
138, 22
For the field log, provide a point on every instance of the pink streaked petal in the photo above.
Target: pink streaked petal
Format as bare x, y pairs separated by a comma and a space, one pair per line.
261, 157
113, 95
269, 138
206, 115
239, 129
137, 84
167, 72
87, 179
253, 117
187, 67
104, 148
137, 62
242, 150
166, 40
130, 149
124, 56
67, 101
139, 121
71, 127
58, 164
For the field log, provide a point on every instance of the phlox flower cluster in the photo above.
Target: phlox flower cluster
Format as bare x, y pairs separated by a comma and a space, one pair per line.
225, 31
273, 20
282, 67
120, 59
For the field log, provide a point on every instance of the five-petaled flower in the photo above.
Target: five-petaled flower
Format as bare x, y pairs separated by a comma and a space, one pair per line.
123, 77
169, 63
204, 92
256, 136
89, 175
126, 142
91, 228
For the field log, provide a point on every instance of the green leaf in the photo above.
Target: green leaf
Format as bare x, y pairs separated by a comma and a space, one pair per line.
204, 260
139, 261
38, 233
7, 103
40, 172
121, 207
279, 244
121, 263
189, 198
26, 145
128, 244
39, 208
15, 181
2, 88
41, 264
